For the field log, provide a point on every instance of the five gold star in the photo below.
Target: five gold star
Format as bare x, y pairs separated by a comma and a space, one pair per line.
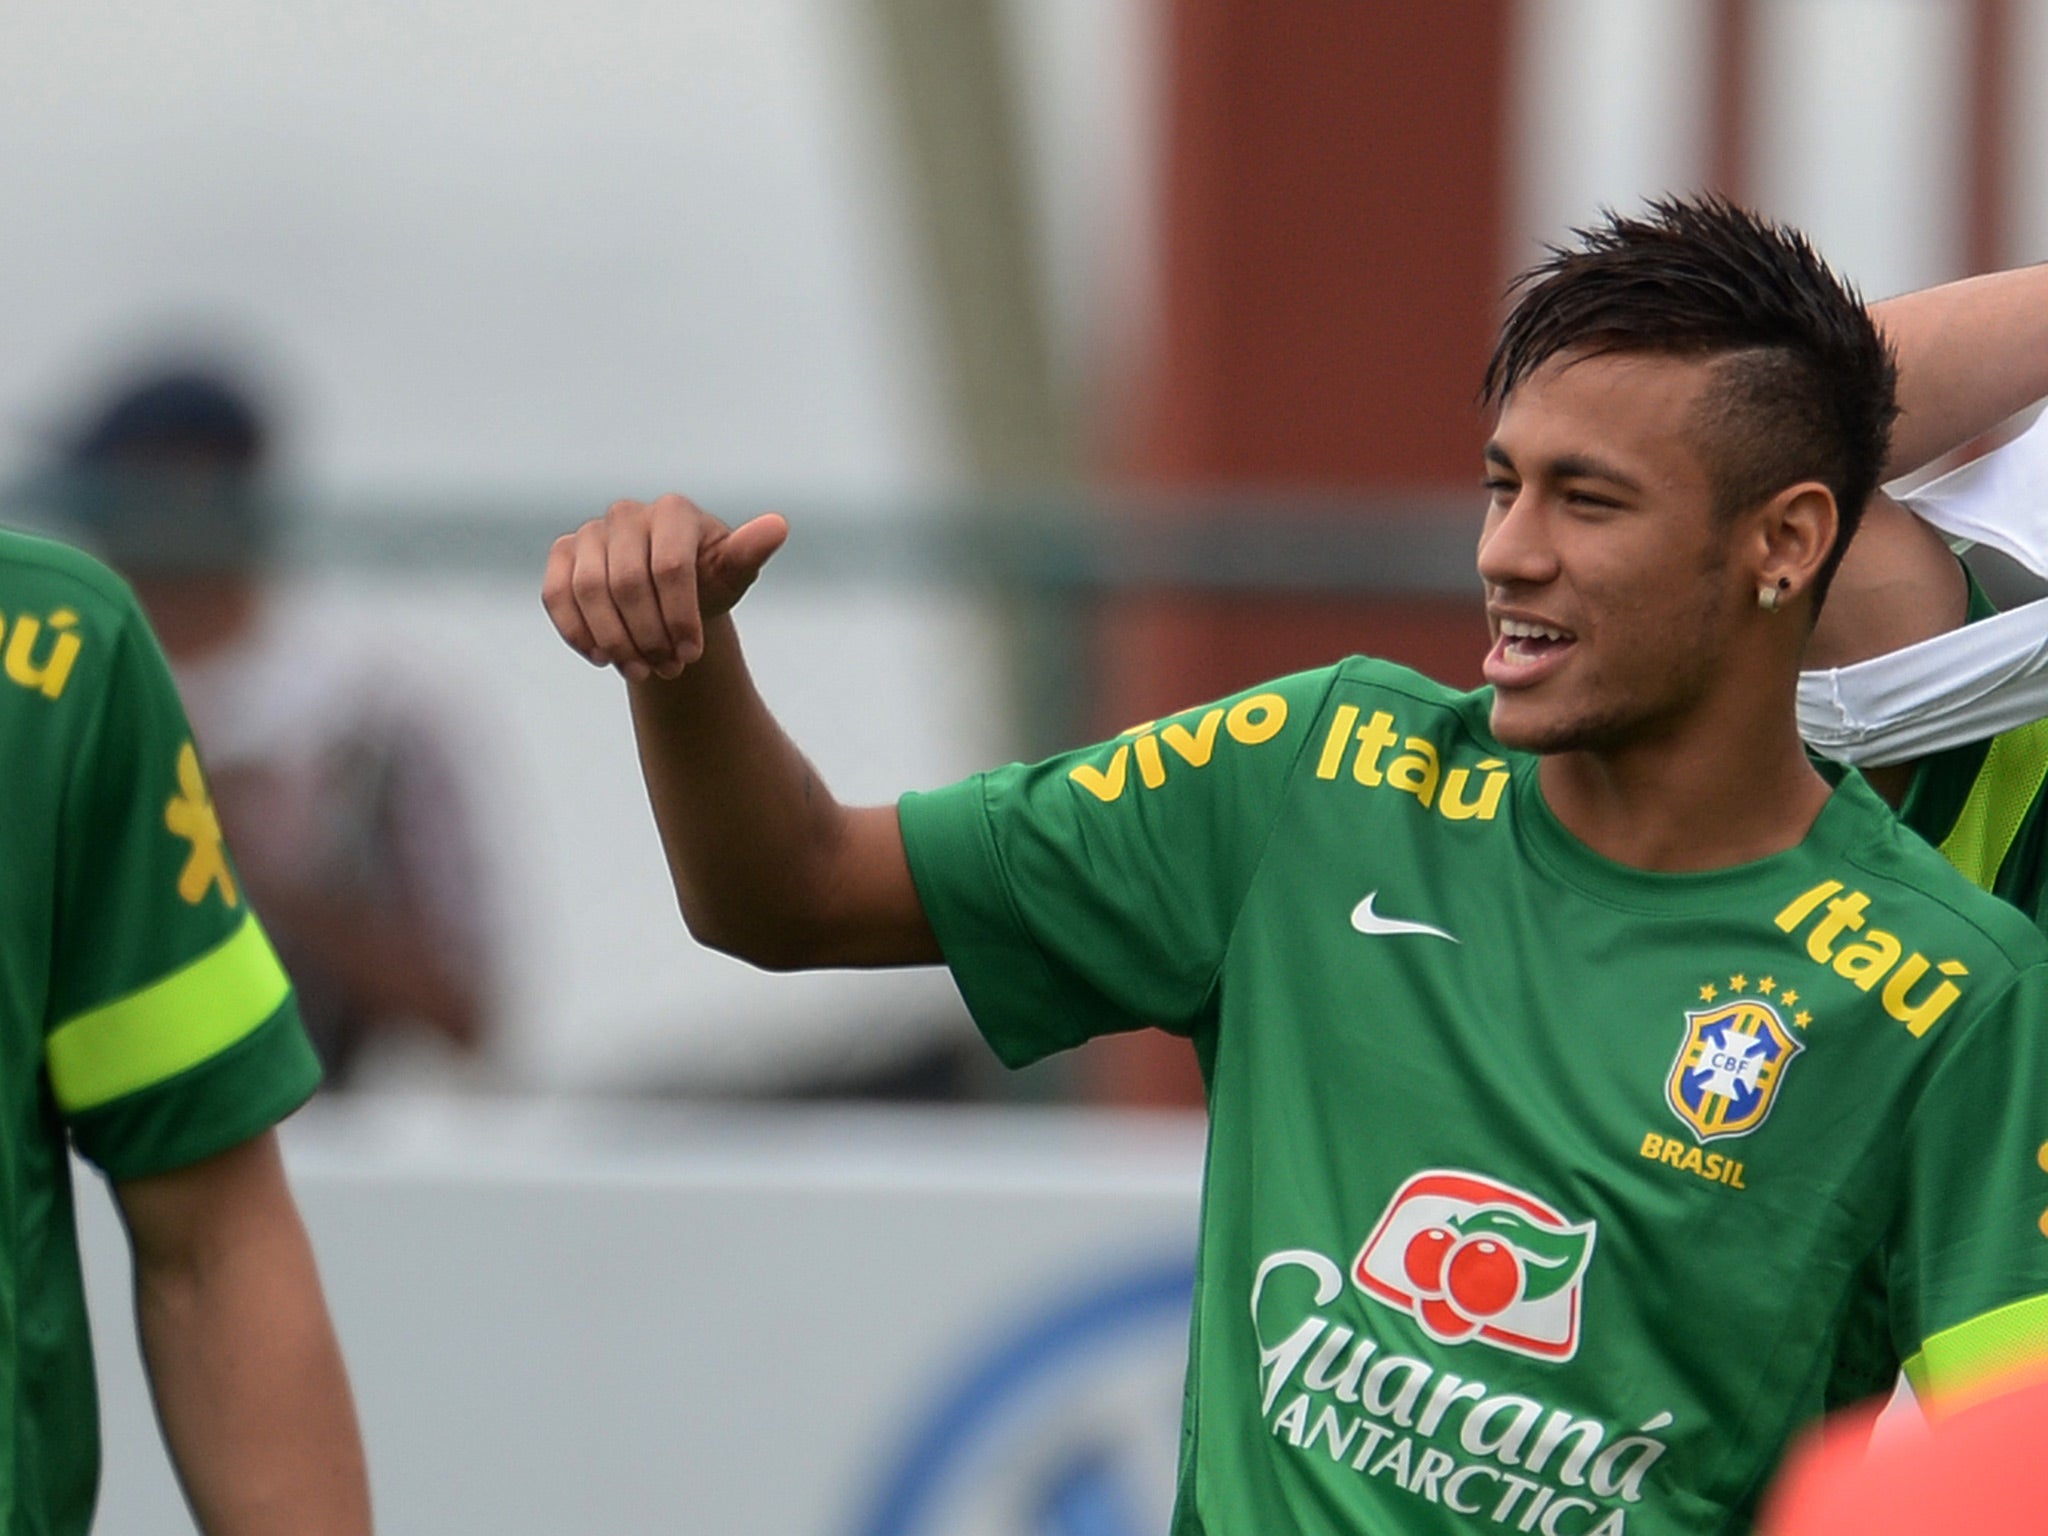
1802, 1018
1709, 992
1789, 998
1738, 982
1766, 986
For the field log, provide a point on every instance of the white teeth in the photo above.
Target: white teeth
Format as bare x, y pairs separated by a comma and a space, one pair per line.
1516, 629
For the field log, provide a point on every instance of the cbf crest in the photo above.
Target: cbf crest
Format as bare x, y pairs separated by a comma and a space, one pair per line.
1731, 1062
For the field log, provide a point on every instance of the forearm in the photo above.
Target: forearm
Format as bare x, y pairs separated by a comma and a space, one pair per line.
1971, 353
243, 1362
766, 864
760, 853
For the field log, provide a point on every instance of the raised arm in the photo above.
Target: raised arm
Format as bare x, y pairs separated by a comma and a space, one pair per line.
1970, 354
767, 866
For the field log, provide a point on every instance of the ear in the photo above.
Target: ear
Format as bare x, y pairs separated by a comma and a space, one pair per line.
1794, 532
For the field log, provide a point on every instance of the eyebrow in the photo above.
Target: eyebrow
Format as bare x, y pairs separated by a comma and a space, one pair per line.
1572, 466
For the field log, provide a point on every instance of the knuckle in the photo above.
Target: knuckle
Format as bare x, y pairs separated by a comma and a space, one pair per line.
670, 565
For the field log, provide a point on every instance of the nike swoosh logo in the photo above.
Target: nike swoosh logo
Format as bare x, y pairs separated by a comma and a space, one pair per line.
1365, 920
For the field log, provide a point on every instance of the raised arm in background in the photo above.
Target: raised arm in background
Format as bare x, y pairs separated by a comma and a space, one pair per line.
767, 866
1971, 353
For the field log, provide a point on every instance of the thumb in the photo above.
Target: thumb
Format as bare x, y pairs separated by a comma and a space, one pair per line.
728, 568
743, 552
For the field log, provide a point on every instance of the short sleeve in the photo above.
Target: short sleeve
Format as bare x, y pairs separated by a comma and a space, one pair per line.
171, 1031
1096, 892
1969, 1271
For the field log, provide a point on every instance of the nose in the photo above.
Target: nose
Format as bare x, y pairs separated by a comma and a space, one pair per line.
1514, 546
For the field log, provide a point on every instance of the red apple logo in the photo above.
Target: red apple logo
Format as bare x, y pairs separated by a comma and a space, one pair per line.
1469, 1257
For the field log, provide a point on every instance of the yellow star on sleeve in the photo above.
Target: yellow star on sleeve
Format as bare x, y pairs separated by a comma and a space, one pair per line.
1788, 997
1737, 982
1709, 992
1802, 1018
190, 815
1766, 986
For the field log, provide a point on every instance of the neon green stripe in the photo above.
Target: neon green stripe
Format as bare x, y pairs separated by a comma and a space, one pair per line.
1984, 1347
1916, 1373
195, 1012
2014, 770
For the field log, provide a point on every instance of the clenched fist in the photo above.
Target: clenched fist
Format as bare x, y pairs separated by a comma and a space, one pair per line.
634, 589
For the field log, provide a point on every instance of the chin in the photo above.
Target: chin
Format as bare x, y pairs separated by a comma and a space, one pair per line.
1522, 726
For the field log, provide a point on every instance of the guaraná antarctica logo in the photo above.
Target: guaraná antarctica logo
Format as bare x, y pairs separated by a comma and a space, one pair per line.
1472, 1258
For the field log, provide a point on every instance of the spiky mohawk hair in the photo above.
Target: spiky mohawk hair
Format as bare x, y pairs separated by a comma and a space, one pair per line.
1806, 387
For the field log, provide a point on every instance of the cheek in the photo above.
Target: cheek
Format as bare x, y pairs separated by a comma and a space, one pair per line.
1656, 627
1672, 643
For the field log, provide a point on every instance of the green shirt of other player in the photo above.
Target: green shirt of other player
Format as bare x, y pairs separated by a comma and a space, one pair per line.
1453, 1015
145, 1021
1982, 804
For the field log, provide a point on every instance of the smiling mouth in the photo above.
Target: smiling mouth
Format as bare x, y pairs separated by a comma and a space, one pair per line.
1524, 652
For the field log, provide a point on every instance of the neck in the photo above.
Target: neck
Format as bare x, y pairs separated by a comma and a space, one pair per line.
197, 616
1727, 786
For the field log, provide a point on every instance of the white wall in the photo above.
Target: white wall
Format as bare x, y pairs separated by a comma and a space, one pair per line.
1856, 132
647, 1321
1860, 133
523, 245
533, 245
1609, 106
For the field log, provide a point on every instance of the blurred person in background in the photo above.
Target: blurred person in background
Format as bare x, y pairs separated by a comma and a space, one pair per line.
148, 1024
338, 792
1692, 415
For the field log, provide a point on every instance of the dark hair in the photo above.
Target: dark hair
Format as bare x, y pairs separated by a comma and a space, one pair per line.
1806, 388
179, 409
127, 484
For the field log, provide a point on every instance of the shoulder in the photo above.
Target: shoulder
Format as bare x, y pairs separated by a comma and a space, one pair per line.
1315, 712
1909, 896
1307, 723
1419, 703
59, 608
1892, 853
34, 568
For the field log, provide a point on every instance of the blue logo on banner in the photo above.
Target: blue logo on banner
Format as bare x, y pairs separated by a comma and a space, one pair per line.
1068, 1426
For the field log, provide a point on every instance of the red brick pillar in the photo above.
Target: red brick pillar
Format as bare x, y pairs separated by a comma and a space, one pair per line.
1332, 267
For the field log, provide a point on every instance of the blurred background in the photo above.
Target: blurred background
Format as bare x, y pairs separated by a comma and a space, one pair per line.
1106, 355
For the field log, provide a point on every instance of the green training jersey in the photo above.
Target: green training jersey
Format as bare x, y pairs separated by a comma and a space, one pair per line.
1543, 1194
143, 1016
